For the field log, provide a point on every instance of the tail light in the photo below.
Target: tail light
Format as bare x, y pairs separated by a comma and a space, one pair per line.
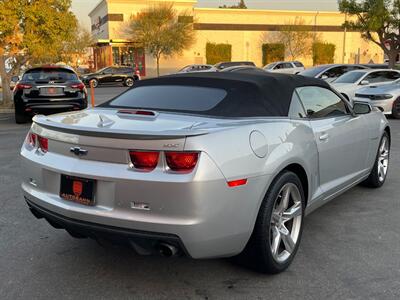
31, 139
144, 160
181, 161
22, 86
43, 143
79, 86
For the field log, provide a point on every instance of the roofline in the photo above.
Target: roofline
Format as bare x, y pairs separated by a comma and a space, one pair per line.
311, 12
97, 6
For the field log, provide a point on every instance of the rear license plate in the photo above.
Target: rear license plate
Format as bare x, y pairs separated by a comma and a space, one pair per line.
76, 189
51, 91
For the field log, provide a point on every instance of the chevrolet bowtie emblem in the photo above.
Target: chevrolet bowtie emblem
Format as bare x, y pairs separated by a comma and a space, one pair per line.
78, 151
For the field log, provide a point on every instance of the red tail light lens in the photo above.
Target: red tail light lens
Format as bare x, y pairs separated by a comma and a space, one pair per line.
21, 86
31, 139
181, 161
43, 144
79, 86
144, 160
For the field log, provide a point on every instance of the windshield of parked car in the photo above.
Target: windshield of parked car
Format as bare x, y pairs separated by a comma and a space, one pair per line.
171, 97
44, 75
312, 72
351, 77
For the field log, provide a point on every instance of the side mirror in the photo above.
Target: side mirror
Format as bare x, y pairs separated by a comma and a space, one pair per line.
324, 77
15, 79
361, 108
364, 82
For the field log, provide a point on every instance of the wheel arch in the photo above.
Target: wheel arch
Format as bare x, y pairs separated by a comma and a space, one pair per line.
299, 170
387, 130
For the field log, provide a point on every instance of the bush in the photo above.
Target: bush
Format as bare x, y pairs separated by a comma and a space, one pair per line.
216, 53
272, 53
323, 53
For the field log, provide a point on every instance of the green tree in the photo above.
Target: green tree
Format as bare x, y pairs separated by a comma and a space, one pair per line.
161, 31
77, 46
378, 21
272, 52
216, 53
240, 5
296, 38
32, 31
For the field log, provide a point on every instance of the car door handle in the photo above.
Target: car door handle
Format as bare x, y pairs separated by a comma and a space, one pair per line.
323, 137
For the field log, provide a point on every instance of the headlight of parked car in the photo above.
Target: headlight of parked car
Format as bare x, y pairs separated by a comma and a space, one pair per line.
382, 97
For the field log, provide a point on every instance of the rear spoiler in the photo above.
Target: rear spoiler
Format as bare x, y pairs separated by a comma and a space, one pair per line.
41, 122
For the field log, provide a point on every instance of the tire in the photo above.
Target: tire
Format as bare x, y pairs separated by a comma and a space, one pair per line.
378, 175
396, 109
94, 82
271, 231
129, 82
20, 117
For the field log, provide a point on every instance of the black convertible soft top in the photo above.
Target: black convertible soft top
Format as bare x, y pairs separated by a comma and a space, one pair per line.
254, 93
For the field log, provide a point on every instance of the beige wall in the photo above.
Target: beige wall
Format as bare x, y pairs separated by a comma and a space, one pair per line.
246, 45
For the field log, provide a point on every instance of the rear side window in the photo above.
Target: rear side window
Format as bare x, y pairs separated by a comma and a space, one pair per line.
298, 64
125, 70
44, 75
171, 97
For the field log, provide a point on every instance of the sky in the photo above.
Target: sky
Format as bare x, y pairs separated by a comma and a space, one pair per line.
81, 8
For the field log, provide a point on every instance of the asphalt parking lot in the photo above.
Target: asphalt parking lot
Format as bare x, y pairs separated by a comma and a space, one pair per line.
350, 250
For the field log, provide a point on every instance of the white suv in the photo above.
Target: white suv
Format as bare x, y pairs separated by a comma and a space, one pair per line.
288, 67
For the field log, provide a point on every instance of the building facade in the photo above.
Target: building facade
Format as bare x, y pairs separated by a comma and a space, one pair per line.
246, 30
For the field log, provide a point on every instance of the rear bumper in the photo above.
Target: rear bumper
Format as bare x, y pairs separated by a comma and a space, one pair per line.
208, 218
141, 241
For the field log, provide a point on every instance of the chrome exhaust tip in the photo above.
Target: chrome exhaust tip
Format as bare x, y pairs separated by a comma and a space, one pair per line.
167, 250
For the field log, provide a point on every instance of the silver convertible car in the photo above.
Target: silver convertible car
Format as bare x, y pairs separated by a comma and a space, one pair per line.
205, 164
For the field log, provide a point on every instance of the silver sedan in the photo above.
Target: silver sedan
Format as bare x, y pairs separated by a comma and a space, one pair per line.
206, 165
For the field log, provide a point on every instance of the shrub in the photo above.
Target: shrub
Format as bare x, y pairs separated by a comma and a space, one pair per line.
272, 53
323, 53
216, 53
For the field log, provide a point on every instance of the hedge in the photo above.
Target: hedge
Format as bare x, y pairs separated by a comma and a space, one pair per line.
323, 53
272, 53
216, 53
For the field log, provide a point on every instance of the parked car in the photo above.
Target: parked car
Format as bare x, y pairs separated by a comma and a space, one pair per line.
223, 65
330, 72
241, 69
112, 75
204, 164
385, 97
197, 68
349, 83
48, 89
286, 67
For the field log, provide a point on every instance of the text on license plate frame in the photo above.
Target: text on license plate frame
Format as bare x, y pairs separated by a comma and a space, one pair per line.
77, 189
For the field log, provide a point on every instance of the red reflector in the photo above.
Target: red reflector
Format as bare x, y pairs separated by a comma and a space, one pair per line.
181, 161
237, 182
31, 139
43, 143
145, 160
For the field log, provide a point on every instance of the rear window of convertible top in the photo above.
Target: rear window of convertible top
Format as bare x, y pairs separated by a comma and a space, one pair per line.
178, 98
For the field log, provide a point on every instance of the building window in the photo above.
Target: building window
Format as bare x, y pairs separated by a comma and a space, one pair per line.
115, 54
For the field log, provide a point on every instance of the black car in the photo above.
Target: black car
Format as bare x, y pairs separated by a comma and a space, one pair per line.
228, 64
112, 75
46, 90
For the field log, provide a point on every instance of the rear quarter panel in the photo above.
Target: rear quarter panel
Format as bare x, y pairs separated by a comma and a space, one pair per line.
288, 142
